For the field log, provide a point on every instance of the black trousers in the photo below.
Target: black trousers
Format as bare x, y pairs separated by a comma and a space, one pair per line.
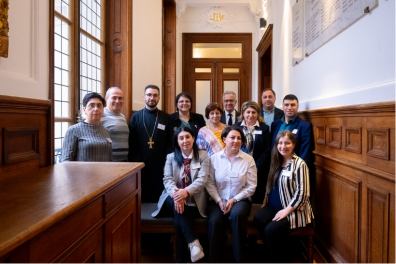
184, 225
272, 232
217, 225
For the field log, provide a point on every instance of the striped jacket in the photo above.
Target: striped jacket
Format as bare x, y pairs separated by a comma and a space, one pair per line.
294, 191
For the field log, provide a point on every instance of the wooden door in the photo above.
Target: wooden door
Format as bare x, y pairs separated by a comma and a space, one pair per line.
207, 78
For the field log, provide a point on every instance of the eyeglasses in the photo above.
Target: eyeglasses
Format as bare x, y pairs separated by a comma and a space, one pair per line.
229, 101
93, 105
184, 101
152, 95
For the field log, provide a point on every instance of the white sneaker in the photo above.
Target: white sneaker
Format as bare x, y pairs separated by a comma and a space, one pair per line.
196, 250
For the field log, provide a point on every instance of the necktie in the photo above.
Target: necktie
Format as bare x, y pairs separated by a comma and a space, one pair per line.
230, 119
186, 176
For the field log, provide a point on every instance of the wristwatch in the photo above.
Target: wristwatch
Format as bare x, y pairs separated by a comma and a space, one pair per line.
235, 200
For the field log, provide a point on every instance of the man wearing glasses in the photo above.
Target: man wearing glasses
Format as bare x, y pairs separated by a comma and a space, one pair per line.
150, 140
229, 115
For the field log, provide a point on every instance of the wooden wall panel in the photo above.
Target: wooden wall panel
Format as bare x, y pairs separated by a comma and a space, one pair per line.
391, 245
335, 136
120, 235
338, 194
354, 188
169, 56
25, 135
90, 251
119, 50
264, 66
378, 223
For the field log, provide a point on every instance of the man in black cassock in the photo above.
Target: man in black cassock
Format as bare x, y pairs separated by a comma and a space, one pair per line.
150, 140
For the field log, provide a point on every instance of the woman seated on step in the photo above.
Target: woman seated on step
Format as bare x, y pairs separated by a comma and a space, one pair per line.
286, 205
232, 181
184, 197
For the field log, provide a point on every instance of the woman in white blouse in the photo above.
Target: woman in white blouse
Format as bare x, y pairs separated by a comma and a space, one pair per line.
184, 197
232, 181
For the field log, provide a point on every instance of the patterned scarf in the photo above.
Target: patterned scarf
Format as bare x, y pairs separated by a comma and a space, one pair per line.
186, 176
249, 146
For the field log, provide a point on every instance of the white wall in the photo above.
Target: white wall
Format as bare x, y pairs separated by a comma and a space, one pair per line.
25, 73
355, 67
243, 22
147, 48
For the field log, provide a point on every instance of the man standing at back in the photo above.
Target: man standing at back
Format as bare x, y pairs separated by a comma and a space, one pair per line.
115, 122
150, 140
300, 128
230, 114
270, 113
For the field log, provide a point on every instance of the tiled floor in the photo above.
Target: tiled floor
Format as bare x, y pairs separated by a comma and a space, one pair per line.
156, 248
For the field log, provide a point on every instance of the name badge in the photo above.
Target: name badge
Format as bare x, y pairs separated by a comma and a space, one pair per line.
161, 126
286, 173
294, 131
195, 166
257, 132
174, 129
109, 139
233, 174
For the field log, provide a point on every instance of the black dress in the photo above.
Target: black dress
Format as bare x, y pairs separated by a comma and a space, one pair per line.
196, 122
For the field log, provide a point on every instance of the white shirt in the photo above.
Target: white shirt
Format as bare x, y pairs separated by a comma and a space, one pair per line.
233, 114
236, 179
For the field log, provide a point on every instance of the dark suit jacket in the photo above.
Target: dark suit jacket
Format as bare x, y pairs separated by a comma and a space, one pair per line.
262, 157
196, 122
304, 138
277, 115
223, 118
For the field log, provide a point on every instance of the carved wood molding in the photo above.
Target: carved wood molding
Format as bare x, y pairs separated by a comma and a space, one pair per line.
382, 108
381, 174
335, 137
378, 143
11, 104
321, 135
169, 56
20, 144
265, 41
353, 139
119, 50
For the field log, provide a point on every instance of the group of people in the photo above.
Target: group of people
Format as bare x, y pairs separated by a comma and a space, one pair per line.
213, 169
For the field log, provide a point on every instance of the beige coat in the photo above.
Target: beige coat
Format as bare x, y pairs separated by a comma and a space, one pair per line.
199, 174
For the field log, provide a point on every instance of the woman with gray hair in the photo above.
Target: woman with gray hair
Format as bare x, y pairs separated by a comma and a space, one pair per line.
88, 140
258, 144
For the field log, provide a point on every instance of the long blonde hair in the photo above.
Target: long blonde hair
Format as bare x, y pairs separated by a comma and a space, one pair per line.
277, 159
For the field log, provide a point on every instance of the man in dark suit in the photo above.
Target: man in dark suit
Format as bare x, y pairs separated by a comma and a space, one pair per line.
270, 113
230, 115
300, 128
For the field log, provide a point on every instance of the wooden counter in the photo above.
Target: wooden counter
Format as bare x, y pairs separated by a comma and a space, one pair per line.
72, 212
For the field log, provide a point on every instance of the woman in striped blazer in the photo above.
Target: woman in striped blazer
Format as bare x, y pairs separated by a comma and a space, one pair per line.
286, 204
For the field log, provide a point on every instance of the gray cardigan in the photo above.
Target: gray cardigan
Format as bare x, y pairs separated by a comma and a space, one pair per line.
199, 172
